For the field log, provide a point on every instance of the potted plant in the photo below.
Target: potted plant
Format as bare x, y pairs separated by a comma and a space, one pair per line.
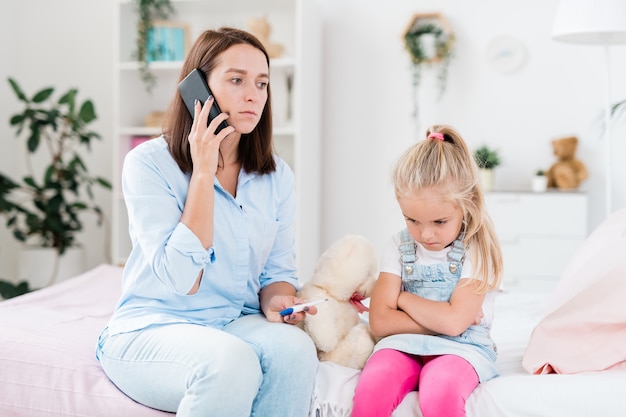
147, 12
487, 159
43, 208
9, 290
540, 181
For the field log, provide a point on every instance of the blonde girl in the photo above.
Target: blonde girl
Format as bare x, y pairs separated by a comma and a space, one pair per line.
433, 303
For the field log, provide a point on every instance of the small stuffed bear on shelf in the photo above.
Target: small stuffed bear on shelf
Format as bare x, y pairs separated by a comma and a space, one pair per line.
568, 172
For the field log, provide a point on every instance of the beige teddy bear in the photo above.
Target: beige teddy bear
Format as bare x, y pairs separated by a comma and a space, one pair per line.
568, 172
345, 275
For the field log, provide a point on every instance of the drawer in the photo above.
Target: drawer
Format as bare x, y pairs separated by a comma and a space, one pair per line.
544, 258
517, 215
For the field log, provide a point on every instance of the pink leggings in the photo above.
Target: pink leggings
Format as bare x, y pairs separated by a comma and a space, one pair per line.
444, 383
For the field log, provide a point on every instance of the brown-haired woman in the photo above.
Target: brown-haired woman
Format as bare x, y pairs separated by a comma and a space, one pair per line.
197, 330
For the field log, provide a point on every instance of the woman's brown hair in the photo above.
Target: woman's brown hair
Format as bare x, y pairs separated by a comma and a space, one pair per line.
256, 152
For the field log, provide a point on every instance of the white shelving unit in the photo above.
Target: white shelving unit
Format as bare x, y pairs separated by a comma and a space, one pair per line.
539, 233
296, 24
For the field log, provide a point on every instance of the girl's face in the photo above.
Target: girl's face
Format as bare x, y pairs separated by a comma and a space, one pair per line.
433, 221
239, 83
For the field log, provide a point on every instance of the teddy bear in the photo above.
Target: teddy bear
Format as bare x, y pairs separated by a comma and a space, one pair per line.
344, 275
568, 172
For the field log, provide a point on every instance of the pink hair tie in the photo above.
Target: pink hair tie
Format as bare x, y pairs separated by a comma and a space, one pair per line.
436, 135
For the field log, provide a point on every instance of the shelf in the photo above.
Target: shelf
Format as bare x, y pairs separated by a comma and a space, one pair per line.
296, 100
139, 131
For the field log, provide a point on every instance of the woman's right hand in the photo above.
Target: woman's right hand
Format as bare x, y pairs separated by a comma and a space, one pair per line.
204, 146
203, 142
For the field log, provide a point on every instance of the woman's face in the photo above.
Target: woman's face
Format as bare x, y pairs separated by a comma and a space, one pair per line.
433, 221
239, 84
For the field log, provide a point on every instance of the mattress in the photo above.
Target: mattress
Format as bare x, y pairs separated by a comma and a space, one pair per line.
515, 393
48, 366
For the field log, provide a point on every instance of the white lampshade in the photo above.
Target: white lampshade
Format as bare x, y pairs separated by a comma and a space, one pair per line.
591, 21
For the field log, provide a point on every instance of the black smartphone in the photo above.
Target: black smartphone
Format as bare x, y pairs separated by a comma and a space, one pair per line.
194, 87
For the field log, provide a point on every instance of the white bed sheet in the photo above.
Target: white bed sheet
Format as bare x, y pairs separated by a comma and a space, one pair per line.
515, 393
48, 366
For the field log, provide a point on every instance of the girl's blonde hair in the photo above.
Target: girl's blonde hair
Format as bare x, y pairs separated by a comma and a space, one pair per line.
444, 161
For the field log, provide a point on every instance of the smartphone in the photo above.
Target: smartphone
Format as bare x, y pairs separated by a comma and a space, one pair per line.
194, 86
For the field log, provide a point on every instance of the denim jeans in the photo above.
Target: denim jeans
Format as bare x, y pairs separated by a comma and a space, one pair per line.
251, 367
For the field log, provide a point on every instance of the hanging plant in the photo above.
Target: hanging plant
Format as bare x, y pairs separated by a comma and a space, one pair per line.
147, 12
428, 39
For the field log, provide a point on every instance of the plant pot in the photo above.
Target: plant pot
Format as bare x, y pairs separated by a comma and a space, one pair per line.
42, 267
540, 183
486, 179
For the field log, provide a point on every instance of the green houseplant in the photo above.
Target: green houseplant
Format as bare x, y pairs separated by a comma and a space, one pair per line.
10, 290
487, 159
147, 12
43, 210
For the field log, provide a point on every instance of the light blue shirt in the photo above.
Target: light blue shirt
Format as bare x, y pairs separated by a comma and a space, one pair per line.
253, 244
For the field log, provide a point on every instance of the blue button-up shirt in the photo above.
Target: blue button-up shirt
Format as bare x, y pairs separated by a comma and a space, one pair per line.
253, 244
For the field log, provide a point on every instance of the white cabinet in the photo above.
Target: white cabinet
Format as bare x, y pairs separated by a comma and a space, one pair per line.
296, 93
538, 232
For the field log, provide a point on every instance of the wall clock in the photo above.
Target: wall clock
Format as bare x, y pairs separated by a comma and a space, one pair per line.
506, 54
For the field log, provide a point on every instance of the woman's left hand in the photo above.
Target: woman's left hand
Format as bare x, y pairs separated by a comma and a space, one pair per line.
280, 302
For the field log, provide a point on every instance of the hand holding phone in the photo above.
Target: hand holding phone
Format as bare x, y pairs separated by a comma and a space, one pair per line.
194, 87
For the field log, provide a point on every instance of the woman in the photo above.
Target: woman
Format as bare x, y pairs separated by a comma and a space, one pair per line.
197, 330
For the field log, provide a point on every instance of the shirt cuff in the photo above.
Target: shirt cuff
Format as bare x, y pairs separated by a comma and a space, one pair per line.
185, 241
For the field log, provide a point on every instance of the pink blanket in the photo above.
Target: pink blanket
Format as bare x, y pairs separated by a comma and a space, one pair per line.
48, 366
585, 325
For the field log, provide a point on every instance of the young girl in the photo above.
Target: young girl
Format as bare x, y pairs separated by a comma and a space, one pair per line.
433, 303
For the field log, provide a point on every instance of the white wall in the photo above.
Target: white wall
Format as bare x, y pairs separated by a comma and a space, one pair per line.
8, 146
368, 103
368, 98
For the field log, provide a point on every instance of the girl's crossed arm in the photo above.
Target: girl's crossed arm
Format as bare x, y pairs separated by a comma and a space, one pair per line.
386, 316
450, 318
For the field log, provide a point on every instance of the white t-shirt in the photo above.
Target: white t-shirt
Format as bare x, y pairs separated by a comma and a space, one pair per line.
391, 263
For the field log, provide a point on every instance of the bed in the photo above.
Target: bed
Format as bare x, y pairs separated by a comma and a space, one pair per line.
48, 366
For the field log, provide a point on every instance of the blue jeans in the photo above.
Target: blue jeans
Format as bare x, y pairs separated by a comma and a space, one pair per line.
251, 367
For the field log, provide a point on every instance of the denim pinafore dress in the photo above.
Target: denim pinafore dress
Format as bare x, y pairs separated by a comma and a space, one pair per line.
436, 282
